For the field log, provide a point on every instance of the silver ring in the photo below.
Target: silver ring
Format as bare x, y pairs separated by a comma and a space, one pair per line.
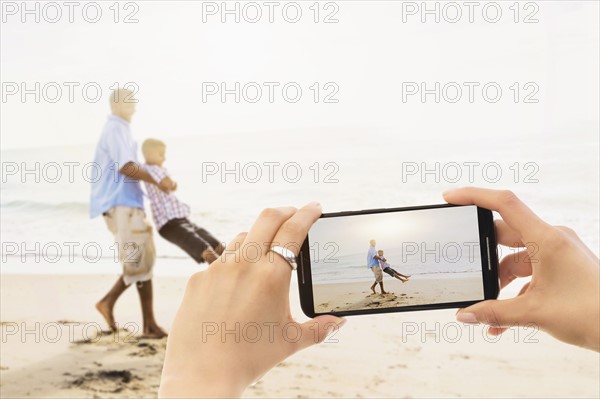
285, 254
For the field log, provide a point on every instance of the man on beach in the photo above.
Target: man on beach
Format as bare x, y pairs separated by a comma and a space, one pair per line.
117, 196
373, 264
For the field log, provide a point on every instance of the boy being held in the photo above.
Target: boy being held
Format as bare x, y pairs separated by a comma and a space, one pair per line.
388, 269
170, 215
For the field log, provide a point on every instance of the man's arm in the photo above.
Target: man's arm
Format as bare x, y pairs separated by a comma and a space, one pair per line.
168, 183
136, 172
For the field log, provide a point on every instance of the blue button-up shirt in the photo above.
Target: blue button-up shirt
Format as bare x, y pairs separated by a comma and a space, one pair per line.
371, 261
110, 188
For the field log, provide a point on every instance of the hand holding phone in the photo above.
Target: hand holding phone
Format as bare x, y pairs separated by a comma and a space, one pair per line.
235, 323
563, 296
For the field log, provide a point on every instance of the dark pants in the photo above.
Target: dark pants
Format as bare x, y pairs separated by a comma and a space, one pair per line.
188, 236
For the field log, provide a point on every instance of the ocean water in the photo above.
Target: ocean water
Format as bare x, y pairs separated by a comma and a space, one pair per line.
46, 229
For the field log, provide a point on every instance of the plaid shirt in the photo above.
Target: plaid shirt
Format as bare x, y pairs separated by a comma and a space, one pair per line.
165, 206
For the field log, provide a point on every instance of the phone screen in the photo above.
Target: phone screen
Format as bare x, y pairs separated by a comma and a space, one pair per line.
396, 259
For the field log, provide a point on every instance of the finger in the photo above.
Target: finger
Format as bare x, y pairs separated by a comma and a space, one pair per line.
495, 331
496, 313
316, 330
514, 266
266, 226
293, 232
514, 212
507, 236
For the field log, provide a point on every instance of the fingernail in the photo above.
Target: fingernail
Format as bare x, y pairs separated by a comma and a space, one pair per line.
314, 203
467, 318
337, 326
448, 191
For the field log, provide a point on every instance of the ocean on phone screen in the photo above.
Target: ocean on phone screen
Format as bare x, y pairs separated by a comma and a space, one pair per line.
352, 268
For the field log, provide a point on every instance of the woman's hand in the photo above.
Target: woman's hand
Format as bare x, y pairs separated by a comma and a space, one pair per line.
563, 297
235, 324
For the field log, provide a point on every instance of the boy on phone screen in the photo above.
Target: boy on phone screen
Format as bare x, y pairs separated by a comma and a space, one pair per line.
388, 269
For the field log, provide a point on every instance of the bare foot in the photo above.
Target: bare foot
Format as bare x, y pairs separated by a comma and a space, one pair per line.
154, 332
373, 289
384, 292
219, 249
404, 281
209, 255
107, 312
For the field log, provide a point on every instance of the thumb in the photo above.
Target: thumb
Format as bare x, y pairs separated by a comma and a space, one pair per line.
495, 313
316, 330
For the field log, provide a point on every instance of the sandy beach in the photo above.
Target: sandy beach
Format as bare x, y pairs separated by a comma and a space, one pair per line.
52, 347
417, 291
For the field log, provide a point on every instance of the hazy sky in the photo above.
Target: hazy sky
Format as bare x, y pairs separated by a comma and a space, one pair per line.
352, 234
368, 54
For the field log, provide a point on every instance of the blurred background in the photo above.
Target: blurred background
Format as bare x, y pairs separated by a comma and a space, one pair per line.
356, 104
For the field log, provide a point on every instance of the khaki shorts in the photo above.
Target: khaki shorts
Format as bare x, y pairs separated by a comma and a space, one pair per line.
133, 235
378, 274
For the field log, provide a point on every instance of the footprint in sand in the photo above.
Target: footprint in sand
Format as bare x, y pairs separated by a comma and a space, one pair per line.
146, 349
112, 381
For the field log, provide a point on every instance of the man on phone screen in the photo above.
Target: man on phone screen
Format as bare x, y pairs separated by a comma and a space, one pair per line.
373, 264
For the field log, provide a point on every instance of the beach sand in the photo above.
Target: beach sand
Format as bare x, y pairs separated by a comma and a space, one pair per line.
417, 291
415, 354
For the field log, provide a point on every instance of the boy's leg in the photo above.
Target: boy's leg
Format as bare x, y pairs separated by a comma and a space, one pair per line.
151, 329
373, 287
395, 273
217, 246
209, 255
182, 233
220, 248
107, 304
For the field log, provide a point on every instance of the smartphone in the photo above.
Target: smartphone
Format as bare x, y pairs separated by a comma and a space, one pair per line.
397, 260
